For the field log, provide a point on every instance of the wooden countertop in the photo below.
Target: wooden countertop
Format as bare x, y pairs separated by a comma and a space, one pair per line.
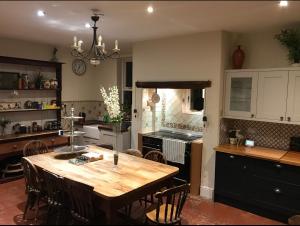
14, 137
285, 157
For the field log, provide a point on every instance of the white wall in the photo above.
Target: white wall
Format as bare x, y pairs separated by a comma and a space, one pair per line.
106, 76
194, 57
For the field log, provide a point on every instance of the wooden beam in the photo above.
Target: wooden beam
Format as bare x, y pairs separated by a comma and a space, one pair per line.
174, 85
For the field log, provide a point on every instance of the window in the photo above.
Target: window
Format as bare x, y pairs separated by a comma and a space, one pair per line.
193, 101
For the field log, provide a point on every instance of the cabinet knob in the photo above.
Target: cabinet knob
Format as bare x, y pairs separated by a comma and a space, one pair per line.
278, 166
281, 118
277, 190
231, 156
252, 115
289, 119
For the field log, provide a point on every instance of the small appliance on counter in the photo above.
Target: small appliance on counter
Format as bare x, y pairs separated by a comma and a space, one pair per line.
295, 144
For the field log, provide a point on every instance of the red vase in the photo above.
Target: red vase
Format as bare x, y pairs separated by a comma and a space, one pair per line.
238, 58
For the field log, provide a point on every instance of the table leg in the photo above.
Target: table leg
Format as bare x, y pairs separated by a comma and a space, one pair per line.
110, 214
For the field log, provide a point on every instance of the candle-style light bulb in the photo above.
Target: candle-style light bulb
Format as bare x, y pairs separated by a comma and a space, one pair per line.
116, 44
99, 40
103, 47
75, 41
80, 42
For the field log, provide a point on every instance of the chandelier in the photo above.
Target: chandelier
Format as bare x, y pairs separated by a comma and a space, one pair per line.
97, 51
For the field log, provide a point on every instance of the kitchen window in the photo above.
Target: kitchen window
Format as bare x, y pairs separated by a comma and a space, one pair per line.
193, 101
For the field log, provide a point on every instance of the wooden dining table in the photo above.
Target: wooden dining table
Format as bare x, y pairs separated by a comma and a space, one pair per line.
114, 186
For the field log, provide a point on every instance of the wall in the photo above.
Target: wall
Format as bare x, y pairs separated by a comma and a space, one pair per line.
191, 57
261, 49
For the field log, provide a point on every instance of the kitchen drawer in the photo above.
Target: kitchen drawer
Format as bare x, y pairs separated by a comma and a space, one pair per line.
275, 195
275, 171
12, 147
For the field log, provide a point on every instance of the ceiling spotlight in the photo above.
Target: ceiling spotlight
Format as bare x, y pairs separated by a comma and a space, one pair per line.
150, 9
87, 25
41, 13
283, 3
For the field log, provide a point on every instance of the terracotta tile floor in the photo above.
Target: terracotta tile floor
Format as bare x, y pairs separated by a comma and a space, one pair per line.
197, 211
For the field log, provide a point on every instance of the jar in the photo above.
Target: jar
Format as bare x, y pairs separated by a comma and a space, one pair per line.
47, 84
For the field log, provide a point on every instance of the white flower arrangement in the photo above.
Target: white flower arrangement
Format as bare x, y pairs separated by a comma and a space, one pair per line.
111, 100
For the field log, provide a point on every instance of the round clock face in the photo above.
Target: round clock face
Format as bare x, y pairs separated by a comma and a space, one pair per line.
78, 67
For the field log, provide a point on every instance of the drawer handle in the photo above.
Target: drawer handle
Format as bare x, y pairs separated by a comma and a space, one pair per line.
289, 119
231, 156
15, 147
278, 166
277, 190
252, 115
281, 118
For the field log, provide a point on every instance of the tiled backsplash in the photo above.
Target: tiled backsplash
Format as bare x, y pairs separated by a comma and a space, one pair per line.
265, 134
168, 112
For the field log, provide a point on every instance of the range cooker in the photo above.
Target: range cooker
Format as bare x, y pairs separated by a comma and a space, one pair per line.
154, 142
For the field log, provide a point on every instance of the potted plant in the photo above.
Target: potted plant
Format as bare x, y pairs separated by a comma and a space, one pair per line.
290, 38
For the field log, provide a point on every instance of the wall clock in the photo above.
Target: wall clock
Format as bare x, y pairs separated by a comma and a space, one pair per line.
79, 67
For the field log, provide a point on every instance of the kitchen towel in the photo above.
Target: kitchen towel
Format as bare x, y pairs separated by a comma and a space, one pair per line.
174, 150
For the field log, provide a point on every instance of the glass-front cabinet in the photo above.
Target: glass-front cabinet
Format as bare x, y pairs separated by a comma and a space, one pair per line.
241, 94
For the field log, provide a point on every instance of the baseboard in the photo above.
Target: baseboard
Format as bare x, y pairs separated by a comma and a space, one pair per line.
206, 192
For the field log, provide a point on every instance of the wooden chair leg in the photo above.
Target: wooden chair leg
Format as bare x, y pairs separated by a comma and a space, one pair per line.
37, 208
27, 206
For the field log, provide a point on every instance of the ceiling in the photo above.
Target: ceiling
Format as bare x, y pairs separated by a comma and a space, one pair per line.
129, 22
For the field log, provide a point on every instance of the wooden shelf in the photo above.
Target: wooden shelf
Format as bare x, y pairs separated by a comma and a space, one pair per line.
15, 137
28, 110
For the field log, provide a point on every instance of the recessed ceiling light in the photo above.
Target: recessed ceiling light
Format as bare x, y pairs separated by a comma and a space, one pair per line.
87, 25
283, 3
41, 13
150, 9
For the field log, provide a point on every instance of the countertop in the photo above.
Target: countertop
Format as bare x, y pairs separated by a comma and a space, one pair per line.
285, 157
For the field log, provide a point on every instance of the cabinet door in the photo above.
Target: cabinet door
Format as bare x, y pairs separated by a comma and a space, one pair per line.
229, 179
272, 95
293, 104
241, 93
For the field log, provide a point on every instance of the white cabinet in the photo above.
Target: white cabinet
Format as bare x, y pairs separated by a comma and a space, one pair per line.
293, 103
263, 94
241, 94
272, 95
120, 141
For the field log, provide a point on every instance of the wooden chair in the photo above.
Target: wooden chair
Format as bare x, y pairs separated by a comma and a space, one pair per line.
156, 156
35, 147
33, 187
295, 220
81, 202
170, 204
133, 152
55, 198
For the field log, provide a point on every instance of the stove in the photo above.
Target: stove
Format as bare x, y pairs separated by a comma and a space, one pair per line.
173, 135
154, 142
